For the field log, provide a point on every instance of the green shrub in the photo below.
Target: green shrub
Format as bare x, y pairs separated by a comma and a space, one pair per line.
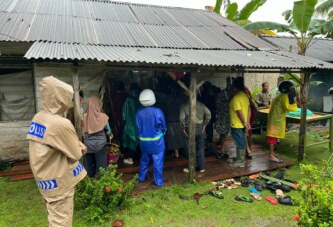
315, 208
102, 197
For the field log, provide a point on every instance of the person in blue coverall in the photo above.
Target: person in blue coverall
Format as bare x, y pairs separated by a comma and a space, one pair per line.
151, 128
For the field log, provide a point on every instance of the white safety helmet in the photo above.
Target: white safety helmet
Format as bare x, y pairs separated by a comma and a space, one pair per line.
147, 97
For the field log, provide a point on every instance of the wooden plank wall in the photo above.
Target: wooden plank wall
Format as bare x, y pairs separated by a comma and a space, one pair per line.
13, 145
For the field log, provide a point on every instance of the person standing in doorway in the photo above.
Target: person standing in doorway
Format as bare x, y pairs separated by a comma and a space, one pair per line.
55, 151
263, 98
151, 127
130, 134
222, 124
118, 100
203, 117
96, 128
239, 120
276, 124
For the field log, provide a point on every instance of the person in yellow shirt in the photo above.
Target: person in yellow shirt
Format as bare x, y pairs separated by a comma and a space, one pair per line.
276, 125
239, 120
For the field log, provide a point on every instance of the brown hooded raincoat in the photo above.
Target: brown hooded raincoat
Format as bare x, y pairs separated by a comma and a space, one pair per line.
54, 148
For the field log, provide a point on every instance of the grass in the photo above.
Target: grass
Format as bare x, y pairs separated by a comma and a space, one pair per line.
22, 205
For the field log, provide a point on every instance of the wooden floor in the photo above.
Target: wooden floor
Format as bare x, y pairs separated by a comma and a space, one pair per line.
215, 169
173, 169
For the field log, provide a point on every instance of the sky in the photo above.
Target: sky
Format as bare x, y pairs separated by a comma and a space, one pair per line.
270, 11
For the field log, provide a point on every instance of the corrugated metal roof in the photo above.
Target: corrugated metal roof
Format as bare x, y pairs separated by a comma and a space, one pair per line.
121, 24
319, 48
218, 58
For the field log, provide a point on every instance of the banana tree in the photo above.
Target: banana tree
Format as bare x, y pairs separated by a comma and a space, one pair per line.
303, 26
231, 11
325, 7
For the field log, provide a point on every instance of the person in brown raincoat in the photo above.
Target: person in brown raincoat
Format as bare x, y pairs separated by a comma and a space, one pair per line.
54, 151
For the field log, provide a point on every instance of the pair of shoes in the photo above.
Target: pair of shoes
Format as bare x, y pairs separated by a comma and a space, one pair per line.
237, 164
271, 200
243, 199
280, 174
256, 196
246, 182
222, 156
286, 200
259, 187
129, 162
216, 194
279, 193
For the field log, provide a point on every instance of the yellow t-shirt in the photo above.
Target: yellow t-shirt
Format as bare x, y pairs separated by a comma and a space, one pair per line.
239, 102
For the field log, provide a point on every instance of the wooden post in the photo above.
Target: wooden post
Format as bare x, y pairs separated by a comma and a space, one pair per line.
305, 77
191, 144
77, 106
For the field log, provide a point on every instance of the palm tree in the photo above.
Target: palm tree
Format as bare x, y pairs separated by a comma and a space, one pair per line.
240, 17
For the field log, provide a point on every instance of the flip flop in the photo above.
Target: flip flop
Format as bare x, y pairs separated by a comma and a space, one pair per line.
276, 160
242, 198
271, 200
216, 194
254, 191
256, 196
279, 193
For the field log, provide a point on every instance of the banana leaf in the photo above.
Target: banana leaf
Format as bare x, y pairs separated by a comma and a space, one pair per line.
302, 14
250, 8
269, 26
232, 11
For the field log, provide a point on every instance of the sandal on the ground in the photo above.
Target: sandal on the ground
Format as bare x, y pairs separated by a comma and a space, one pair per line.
216, 194
279, 193
285, 200
272, 200
276, 160
256, 196
243, 199
253, 190
259, 187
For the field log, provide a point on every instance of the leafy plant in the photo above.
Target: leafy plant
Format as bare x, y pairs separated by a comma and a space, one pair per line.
302, 24
315, 207
102, 197
231, 11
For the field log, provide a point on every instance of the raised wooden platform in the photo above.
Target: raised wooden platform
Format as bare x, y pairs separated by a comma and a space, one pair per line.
173, 169
215, 169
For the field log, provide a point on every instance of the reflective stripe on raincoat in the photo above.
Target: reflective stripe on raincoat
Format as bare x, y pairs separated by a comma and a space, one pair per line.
276, 125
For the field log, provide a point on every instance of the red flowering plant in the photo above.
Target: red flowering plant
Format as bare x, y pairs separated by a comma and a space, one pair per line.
102, 197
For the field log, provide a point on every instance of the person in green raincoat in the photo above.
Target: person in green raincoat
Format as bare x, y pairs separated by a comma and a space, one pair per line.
130, 137
276, 125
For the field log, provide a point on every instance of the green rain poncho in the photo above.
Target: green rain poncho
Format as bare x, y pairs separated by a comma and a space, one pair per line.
276, 125
130, 107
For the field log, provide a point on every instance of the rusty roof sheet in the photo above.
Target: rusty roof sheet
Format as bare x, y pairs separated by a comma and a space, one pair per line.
121, 24
189, 57
319, 48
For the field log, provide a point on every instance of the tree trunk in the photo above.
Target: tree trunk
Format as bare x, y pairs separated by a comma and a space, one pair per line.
77, 106
191, 144
305, 76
